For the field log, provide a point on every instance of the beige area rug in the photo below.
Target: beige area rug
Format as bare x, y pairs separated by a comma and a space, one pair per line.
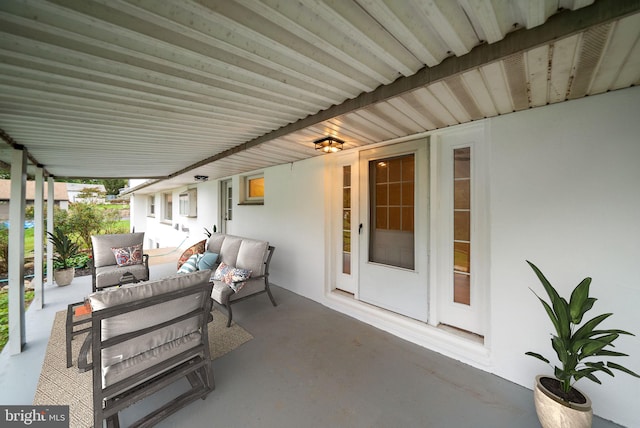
59, 385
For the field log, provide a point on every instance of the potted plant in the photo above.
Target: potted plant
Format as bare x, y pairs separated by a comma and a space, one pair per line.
208, 232
582, 351
64, 249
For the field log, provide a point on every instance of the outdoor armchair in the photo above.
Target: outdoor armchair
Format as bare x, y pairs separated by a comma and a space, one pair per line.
118, 259
145, 337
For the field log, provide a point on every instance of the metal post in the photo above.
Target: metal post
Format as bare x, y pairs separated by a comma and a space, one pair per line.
50, 206
17, 333
38, 244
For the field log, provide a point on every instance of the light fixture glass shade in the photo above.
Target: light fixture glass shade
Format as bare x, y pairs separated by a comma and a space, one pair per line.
329, 144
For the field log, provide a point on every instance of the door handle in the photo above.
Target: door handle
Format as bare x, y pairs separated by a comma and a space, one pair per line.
360, 229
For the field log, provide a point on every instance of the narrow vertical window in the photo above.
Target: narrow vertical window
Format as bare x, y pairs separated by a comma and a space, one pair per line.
229, 203
151, 206
346, 220
168, 206
462, 225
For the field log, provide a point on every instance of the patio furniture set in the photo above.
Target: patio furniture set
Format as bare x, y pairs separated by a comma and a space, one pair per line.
145, 335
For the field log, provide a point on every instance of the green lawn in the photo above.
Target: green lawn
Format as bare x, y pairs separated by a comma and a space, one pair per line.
4, 314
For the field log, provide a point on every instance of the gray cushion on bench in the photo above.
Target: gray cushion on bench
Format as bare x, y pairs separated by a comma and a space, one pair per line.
121, 360
251, 255
122, 370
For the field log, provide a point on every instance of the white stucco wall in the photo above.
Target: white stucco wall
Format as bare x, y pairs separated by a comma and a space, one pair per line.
564, 193
293, 220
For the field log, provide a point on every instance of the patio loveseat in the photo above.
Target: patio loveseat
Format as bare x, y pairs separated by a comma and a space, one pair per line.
243, 271
145, 337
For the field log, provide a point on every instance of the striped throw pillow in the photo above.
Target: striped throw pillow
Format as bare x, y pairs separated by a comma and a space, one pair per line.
191, 265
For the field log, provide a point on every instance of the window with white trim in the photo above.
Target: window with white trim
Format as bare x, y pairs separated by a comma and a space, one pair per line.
461, 252
151, 206
188, 203
253, 189
167, 206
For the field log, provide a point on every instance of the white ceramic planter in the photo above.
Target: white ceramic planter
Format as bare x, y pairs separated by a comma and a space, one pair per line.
552, 413
64, 276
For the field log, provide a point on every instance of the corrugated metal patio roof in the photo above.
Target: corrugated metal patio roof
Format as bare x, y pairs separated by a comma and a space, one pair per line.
168, 90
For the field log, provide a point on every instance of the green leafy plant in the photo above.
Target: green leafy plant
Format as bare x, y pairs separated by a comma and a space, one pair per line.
4, 314
65, 248
575, 343
208, 232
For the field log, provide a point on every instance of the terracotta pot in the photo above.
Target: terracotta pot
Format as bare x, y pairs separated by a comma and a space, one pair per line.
64, 276
553, 412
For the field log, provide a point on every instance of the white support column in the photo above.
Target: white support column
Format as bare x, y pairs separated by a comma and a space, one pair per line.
50, 206
17, 332
38, 235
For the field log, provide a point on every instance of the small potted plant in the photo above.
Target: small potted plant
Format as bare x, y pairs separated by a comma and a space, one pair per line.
582, 351
64, 249
208, 232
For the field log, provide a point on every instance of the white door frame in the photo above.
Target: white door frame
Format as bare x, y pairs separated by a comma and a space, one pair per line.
442, 307
403, 291
226, 204
345, 282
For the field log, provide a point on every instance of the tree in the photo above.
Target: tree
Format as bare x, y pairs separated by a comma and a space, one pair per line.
85, 220
113, 186
91, 194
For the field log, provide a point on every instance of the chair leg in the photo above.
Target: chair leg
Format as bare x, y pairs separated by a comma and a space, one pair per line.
68, 334
113, 421
273, 301
230, 314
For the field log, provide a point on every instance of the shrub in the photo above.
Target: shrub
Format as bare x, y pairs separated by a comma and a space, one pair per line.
4, 249
4, 314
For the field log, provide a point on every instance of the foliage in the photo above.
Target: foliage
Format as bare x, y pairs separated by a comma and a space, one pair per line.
63, 247
113, 186
4, 314
78, 261
85, 220
111, 221
573, 343
60, 219
4, 248
208, 232
92, 194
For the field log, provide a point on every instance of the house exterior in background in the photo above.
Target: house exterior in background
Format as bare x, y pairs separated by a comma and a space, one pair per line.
60, 196
556, 185
76, 190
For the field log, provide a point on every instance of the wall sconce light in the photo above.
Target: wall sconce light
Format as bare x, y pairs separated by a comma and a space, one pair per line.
201, 178
329, 144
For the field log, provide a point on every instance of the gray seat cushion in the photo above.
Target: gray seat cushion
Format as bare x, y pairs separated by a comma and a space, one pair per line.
122, 360
110, 275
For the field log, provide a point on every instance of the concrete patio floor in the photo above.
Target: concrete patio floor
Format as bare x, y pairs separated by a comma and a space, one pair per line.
307, 366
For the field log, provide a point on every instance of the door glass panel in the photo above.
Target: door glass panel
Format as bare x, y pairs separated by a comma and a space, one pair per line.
462, 288
346, 220
229, 203
391, 192
462, 226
